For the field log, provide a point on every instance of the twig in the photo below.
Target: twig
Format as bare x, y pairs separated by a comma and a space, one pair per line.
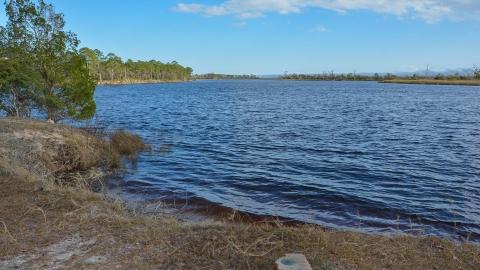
175, 250
69, 213
38, 209
6, 230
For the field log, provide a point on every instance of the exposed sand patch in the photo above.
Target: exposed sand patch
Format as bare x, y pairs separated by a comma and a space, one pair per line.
72, 250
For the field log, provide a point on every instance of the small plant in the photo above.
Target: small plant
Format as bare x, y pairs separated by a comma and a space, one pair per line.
424, 231
5, 173
454, 216
468, 237
359, 219
40, 187
398, 222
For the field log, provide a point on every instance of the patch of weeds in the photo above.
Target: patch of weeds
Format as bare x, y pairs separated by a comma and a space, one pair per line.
40, 187
5, 172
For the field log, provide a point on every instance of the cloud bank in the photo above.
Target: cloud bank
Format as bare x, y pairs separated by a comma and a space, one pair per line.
432, 11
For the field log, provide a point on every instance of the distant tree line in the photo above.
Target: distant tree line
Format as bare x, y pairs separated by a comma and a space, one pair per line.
473, 73
111, 69
330, 76
214, 76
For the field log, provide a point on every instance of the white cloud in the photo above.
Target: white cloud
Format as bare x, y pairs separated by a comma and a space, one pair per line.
432, 11
410, 68
321, 28
239, 25
250, 15
190, 8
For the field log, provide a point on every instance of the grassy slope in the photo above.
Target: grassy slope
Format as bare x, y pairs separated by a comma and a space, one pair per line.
43, 224
438, 82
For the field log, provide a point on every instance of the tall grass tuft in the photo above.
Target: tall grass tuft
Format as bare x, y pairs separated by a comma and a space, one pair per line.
126, 144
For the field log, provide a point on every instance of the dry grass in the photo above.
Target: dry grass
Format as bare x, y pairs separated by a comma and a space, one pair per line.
438, 82
126, 144
51, 226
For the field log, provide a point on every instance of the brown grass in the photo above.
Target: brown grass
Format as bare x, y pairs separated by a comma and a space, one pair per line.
126, 143
437, 82
51, 226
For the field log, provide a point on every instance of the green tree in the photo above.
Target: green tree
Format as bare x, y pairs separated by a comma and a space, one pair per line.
113, 65
112, 68
16, 76
476, 72
100, 63
93, 61
16, 93
62, 86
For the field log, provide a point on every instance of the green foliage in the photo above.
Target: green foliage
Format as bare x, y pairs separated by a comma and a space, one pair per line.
16, 94
376, 77
42, 60
331, 76
111, 69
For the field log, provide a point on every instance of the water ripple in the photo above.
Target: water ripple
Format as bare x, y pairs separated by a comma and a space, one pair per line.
393, 156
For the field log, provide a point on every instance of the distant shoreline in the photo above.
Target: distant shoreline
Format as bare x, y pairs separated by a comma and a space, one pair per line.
435, 82
429, 82
138, 82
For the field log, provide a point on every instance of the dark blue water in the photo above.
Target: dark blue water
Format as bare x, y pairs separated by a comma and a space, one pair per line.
342, 154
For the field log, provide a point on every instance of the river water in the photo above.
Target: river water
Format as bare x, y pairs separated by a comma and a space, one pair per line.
379, 157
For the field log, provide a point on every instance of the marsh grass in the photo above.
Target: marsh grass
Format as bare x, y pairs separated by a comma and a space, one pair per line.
44, 224
126, 143
115, 144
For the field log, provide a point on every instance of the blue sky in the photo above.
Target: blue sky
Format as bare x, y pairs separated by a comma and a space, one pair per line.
274, 36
